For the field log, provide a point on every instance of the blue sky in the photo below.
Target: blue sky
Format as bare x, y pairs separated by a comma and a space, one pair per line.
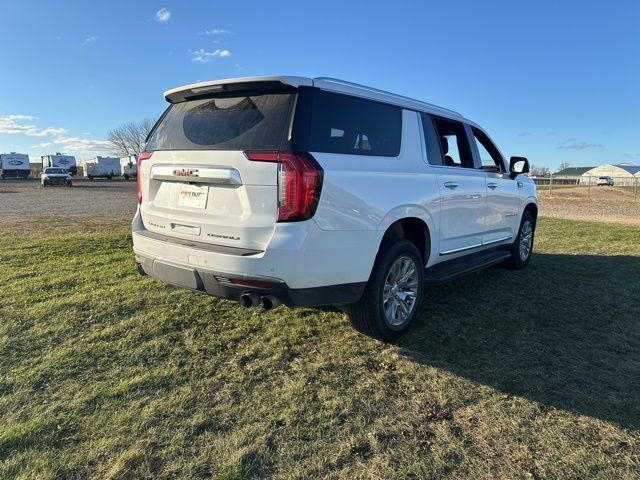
553, 81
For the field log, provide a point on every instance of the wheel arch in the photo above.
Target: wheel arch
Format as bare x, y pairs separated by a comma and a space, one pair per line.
410, 227
533, 209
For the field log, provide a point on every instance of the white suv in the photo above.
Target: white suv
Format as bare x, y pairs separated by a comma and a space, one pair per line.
307, 192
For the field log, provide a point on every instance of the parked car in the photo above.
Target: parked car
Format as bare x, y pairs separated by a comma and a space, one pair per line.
306, 192
605, 181
68, 162
55, 176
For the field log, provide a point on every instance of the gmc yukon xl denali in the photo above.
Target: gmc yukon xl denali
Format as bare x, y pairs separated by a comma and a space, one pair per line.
307, 192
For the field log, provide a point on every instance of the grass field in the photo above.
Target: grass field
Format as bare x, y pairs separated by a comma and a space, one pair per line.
532, 374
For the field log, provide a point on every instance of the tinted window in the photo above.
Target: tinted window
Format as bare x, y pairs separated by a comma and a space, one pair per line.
434, 156
454, 144
334, 123
225, 123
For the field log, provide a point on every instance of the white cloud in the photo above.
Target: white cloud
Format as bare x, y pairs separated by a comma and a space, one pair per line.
14, 124
580, 145
203, 56
89, 40
78, 145
217, 31
163, 15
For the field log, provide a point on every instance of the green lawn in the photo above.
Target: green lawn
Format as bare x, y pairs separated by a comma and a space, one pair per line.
531, 374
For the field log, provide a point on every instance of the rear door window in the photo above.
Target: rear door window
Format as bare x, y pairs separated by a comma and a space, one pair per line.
237, 122
334, 123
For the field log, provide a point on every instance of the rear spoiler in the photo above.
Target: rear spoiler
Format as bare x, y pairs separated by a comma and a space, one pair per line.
187, 92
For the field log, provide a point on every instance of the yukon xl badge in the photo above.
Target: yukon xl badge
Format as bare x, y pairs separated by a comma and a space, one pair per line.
185, 172
224, 237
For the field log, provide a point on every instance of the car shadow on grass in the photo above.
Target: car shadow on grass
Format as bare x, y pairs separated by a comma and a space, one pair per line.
565, 332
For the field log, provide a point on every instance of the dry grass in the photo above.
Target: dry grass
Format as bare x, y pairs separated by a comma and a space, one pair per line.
532, 374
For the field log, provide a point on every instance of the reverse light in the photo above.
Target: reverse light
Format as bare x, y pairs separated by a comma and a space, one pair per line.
299, 183
141, 156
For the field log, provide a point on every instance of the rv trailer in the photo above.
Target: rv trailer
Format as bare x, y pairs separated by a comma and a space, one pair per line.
68, 162
14, 165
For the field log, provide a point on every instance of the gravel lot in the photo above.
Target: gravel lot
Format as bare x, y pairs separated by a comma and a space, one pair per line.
95, 205
102, 204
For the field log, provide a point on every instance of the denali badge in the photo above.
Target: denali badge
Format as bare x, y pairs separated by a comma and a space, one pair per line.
185, 172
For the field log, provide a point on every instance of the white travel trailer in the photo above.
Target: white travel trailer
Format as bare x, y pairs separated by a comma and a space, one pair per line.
102, 167
14, 165
129, 166
68, 162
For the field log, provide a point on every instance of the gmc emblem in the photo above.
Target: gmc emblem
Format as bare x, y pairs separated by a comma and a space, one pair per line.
186, 172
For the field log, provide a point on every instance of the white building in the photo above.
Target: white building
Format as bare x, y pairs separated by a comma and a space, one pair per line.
624, 175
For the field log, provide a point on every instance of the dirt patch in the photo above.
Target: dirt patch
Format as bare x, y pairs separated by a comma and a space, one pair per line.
616, 205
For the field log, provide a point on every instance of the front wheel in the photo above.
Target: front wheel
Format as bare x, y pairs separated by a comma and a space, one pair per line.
393, 295
522, 247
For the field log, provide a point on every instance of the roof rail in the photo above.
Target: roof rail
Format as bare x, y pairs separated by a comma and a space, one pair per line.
384, 92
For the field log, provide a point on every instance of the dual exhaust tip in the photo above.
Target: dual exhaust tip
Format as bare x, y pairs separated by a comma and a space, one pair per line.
267, 302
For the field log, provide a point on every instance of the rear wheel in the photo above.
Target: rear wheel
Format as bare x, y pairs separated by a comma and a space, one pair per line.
522, 247
393, 294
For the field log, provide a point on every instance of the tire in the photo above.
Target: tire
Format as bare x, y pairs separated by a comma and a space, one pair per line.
368, 315
518, 259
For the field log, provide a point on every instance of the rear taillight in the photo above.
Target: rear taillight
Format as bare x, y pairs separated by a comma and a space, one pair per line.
142, 156
299, 183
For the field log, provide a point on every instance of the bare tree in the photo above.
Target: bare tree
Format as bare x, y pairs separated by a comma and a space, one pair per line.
563, 166
540, 171
128, 139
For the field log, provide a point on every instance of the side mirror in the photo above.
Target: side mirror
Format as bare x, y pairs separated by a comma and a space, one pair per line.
518, 165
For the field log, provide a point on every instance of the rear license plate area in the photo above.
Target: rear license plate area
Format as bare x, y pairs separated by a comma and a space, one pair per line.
193, 196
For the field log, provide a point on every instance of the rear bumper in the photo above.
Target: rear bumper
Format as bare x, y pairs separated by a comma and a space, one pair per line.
305, 265
220, 285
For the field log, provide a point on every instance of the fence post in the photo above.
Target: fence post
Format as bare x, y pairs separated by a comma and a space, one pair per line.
589, 190
550, 182
635, 193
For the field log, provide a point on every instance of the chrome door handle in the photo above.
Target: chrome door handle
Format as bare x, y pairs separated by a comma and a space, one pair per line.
451, 185
492, 186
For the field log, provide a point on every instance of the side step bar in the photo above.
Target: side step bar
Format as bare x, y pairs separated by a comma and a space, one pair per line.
445, 271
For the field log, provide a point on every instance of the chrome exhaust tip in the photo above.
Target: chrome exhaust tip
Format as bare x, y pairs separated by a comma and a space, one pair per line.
268, 302
249, 300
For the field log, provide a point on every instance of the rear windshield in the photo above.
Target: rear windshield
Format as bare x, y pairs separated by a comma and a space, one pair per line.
55, 170
259, 122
